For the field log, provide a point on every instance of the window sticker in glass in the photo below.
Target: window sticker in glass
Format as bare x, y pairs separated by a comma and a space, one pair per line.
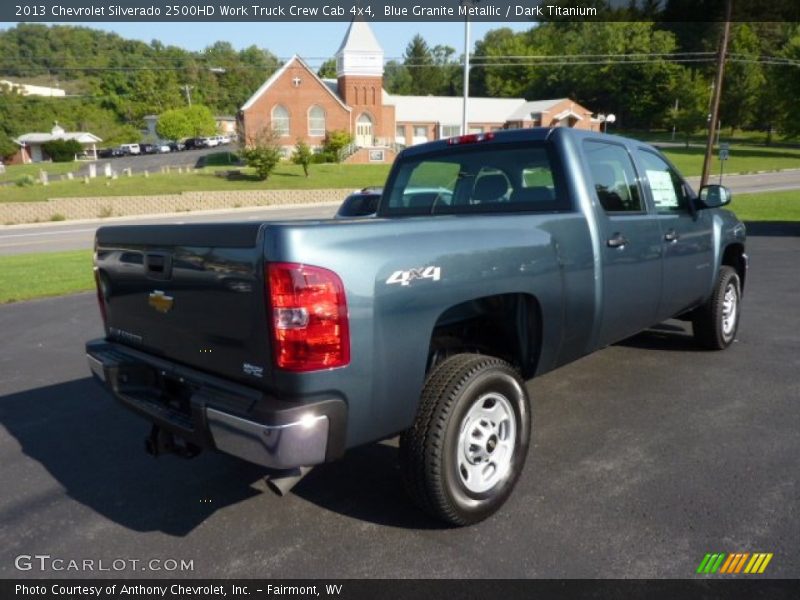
663, 191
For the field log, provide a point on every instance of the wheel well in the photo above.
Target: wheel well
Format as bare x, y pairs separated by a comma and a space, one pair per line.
508, 326
734, 257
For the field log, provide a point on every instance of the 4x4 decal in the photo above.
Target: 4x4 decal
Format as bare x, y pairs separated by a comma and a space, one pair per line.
406, 277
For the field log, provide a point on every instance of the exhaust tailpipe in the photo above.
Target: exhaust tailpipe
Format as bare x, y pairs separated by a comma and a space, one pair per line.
282, 482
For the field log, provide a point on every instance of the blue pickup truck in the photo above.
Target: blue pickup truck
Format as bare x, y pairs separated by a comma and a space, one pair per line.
491, 259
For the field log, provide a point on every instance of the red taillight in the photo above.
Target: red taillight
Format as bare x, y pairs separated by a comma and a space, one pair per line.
309, 317
101, 296
471, 138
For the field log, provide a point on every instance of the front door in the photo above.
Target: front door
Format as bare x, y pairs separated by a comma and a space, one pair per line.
631, 244
687, 237
364, 130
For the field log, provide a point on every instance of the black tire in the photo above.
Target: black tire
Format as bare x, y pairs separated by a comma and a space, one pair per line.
711, 330
431, 451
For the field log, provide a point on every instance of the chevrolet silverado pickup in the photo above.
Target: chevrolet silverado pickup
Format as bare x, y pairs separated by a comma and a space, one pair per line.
491, 259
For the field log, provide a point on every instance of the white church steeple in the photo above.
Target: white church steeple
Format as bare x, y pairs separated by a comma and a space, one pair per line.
360, 54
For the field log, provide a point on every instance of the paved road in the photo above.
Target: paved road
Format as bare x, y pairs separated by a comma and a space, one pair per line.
645, 456
75, 236
756, 182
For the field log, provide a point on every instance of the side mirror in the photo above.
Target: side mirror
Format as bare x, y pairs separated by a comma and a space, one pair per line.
359, 205
714, 196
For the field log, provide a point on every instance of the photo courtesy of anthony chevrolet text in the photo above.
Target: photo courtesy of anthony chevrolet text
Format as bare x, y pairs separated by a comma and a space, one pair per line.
399, 299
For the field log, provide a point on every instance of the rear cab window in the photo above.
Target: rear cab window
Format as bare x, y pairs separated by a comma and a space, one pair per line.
477, 178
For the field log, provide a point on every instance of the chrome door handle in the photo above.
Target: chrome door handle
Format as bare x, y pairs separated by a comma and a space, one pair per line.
672, 236
617, 241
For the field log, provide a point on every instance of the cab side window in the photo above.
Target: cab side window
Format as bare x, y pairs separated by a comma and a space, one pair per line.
613, 177
669, 192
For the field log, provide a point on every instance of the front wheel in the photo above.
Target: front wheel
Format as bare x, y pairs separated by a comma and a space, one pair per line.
466, 450
716, 322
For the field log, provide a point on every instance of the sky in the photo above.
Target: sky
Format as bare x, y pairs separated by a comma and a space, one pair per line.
308, 39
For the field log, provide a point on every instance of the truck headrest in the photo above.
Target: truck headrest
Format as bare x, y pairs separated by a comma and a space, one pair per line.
490, 187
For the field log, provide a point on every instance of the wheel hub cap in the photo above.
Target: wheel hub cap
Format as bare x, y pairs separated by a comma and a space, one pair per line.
486, 442
729, 305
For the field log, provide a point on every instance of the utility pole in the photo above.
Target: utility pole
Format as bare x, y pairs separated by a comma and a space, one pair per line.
465, 112
187, 89
712, 126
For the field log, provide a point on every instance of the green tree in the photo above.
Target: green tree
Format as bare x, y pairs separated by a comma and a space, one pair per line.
302, 155
328, 69
263, 153
507, 80
419, 61
189, 121
743, 80
128, 78
397, 78
62, 150
788, 82
692, 99
7, 146
449, 77
335, 142
173, 125
201, 120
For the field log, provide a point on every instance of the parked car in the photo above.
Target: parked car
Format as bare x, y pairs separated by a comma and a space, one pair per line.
149, 148
176, 146
364, 203
210, 142
548, 244
109, 152
194, 143
163, 147
361, 203
130, 149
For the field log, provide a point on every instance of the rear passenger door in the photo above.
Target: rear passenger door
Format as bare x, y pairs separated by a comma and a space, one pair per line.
631, 243
686, 236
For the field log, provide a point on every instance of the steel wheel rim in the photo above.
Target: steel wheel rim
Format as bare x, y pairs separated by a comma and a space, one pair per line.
487, 437
730, 303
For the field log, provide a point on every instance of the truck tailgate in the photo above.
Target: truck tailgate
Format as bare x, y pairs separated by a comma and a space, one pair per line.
198, 300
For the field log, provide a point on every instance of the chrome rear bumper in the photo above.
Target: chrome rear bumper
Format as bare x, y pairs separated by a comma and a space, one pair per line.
302, 443
210, 412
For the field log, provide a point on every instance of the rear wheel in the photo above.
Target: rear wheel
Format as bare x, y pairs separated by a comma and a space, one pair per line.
716, 322
467, 448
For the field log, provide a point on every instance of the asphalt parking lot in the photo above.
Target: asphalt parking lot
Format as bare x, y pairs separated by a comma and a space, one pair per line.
155, 162
645, 456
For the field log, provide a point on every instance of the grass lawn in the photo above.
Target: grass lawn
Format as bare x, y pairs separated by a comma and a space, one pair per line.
739, 137
768, 206
27, 276
15, 172
285, 177
743, 159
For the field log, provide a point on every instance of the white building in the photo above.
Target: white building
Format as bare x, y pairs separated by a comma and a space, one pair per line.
31, 143
27, 89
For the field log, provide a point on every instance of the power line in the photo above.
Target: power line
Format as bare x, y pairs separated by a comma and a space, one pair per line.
479, 61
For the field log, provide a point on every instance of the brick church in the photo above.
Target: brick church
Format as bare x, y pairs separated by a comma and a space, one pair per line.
298, 104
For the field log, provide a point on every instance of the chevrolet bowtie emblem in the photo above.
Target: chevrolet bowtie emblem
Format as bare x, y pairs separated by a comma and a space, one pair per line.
160, 301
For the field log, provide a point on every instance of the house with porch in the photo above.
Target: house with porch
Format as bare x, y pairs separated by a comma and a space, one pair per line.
31, 144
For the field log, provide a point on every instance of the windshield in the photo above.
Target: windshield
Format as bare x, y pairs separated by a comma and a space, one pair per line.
477, 179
